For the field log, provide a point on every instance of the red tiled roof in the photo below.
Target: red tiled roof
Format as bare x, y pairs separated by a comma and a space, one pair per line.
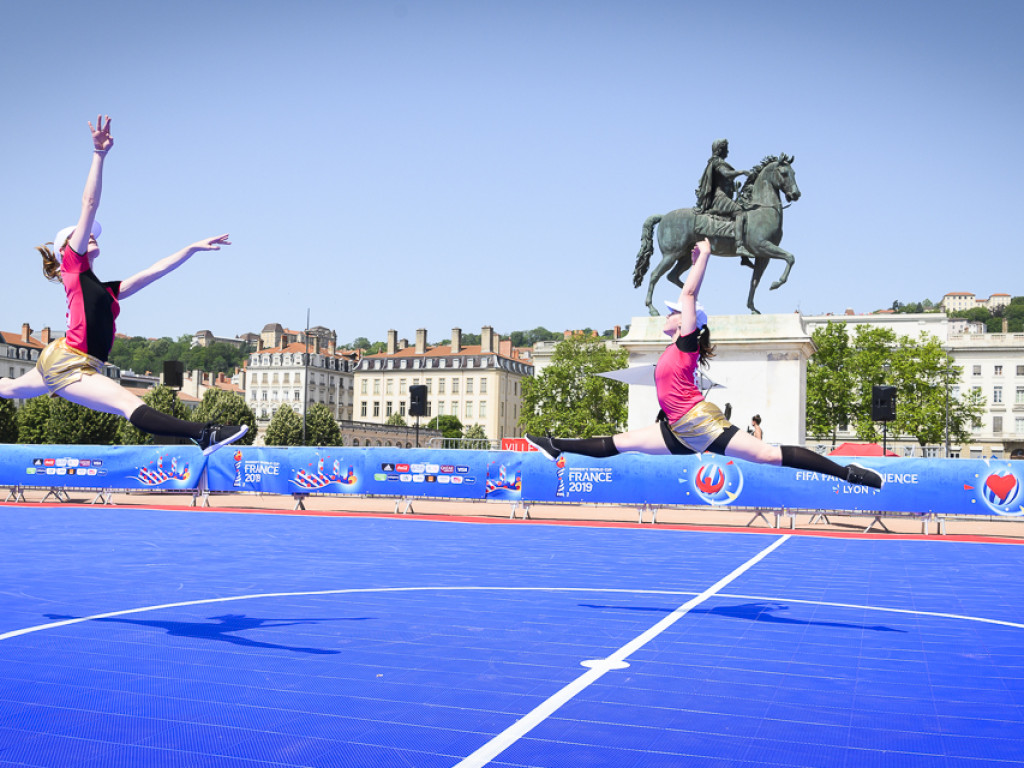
15, 339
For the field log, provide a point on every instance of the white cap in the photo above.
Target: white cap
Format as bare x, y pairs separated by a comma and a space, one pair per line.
702, 316
62, 236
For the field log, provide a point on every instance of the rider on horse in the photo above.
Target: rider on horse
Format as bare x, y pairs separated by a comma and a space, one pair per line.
715, 198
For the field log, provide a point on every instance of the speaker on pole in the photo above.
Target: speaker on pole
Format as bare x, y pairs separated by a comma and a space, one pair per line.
883, 402
418, 400
174, 371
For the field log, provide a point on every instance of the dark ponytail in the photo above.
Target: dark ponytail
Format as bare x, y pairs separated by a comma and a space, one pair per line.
51, 266
707, 350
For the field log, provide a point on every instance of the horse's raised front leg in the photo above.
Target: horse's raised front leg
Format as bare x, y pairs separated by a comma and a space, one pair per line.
656, 274
772, 251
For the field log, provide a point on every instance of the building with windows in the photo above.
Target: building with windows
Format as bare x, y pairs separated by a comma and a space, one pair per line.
19, 352
297, 369
479, 384
958, 301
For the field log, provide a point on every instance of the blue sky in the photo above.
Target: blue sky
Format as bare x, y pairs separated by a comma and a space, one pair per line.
438, 164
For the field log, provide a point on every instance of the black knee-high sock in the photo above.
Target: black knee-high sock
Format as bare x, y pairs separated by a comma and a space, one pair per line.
156, 423
598, 447
801, 458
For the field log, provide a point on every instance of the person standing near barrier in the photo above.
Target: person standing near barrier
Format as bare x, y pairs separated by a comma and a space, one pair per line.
755, 427
689, 423
68, 367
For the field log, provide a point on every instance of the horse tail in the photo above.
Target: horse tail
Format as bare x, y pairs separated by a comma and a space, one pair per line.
643, 259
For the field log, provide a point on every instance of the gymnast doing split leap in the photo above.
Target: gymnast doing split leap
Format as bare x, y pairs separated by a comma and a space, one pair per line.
68, 367
688, 423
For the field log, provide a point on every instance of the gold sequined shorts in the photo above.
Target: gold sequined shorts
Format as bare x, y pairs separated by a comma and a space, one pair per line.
60, 365
700, 426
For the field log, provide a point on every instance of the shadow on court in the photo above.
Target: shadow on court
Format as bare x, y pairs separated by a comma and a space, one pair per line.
763, 612
224, 629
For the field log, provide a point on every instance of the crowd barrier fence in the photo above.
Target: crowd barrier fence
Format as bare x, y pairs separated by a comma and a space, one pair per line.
930, 489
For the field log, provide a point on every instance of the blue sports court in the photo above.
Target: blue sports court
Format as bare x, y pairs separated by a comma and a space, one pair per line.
146, 637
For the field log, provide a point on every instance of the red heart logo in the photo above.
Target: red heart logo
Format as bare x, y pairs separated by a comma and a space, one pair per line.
1001, 485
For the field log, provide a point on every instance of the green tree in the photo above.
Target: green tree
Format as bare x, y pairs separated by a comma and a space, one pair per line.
71, 424
529, 338
569, 398
160, 398
843, 377
8, 422
449, 426
285, 427
225, 407
396, 420
33, 417
321, 428
829, 391
476, 432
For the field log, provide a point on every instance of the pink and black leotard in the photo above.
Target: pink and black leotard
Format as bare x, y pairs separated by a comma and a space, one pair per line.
92, 306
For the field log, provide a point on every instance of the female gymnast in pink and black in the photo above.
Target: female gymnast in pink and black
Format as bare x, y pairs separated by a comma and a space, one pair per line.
68, 367
690, 423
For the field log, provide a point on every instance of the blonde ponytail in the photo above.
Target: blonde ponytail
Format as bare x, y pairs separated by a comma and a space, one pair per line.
51, 266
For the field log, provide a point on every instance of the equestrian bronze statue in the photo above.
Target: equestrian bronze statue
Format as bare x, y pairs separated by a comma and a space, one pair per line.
749, 227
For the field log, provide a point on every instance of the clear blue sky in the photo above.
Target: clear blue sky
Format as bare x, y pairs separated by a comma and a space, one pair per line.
438, 164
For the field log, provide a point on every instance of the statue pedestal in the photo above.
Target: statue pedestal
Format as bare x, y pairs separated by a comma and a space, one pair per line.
760, 366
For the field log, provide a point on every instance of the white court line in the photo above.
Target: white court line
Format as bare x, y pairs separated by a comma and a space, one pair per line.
532, 719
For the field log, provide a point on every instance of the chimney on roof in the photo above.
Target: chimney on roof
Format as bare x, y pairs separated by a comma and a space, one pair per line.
617, 332
505, 347
26, 332
332, 346
421, 341
456, 340
402, 344
392, 341
487, 340
44, 335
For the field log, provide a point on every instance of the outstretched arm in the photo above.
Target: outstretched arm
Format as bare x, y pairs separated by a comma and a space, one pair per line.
691, 288
137, 282
102, 141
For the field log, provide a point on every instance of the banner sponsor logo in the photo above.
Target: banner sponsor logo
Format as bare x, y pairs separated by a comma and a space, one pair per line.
1000, 488
159, 472
324, 472
718, 480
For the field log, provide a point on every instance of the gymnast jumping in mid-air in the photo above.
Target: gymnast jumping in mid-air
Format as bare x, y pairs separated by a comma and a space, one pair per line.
68, 367
690, 423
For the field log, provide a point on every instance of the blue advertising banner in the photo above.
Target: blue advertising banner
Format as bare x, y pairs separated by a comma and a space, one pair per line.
921, 486
440, 473
287, 470
128, 467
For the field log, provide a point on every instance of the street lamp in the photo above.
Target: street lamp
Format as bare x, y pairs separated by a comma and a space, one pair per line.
945, 375
885, 423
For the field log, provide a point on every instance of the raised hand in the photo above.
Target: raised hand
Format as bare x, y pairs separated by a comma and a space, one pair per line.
210, 243
101, 138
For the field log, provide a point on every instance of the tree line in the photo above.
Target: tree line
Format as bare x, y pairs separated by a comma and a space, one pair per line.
54, 420
143, 355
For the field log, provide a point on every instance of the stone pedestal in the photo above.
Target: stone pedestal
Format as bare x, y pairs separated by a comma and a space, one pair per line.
760, 366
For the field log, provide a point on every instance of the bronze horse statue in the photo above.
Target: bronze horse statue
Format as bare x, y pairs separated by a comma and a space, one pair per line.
762, 234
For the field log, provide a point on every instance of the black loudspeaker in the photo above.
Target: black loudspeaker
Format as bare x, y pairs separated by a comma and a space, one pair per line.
418, 400
883, 402
174, 371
